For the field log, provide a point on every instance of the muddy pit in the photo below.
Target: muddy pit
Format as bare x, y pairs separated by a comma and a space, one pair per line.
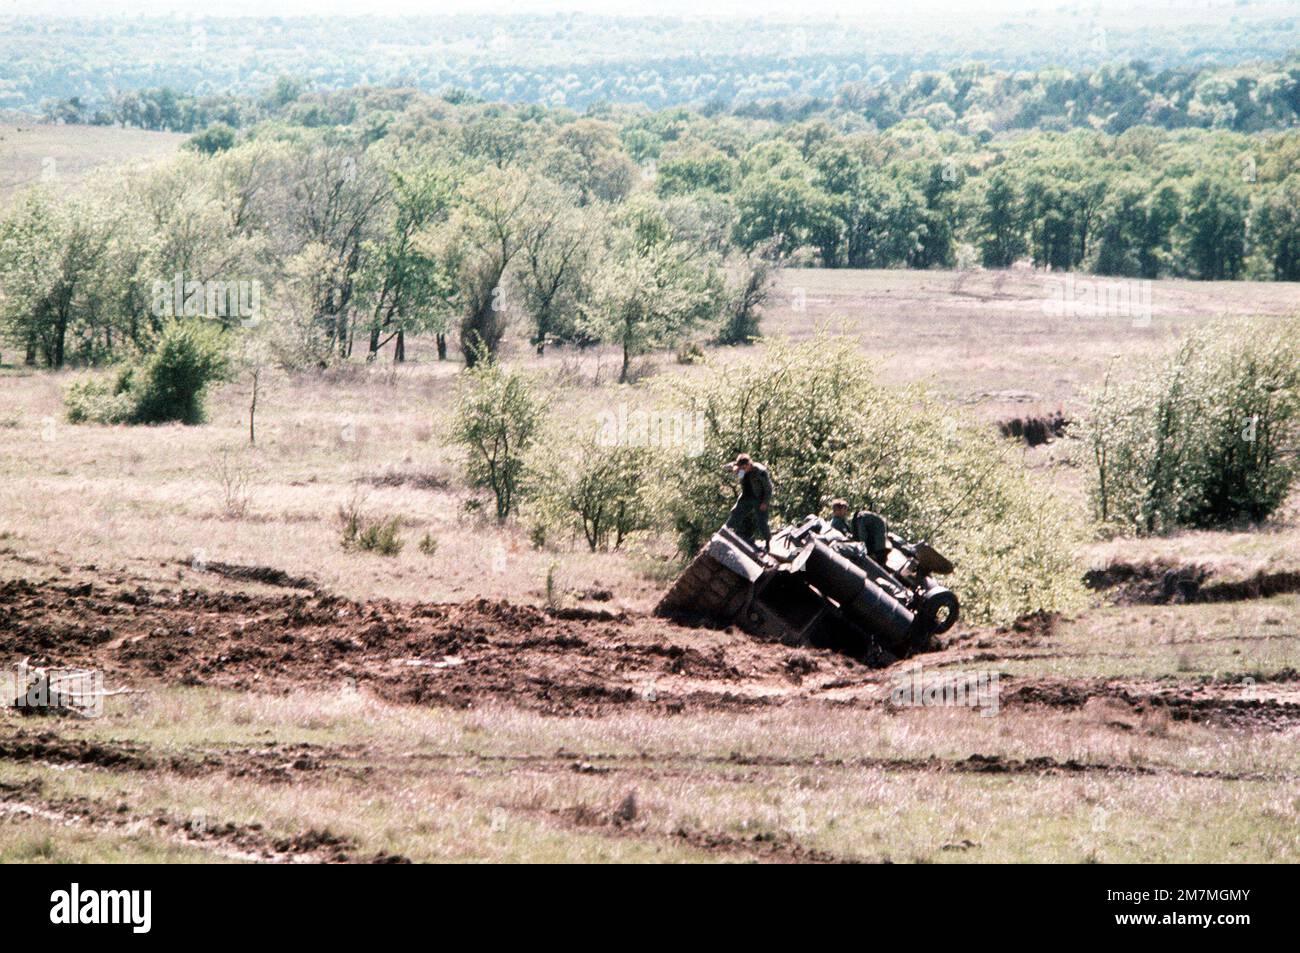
456, 654
463, 655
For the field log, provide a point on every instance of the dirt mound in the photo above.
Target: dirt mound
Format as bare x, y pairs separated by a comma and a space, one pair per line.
1221, 705
266, 575
1036, 625
1148, 583
1158, 582
456, 654
1036, 429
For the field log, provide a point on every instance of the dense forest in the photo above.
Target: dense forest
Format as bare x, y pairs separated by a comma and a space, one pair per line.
576, 60
367, 215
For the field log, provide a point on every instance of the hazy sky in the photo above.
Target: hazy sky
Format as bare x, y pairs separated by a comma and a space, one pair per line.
777, 9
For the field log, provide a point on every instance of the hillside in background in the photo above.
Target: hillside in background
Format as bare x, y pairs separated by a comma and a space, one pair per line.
579, 59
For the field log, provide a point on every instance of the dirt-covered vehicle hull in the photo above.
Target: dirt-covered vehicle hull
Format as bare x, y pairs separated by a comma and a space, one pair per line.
814, 586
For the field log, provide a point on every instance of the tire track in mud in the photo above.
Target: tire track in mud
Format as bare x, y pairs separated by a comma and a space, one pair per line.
251, 842
296, 762
764, 846
648, 765
270, 763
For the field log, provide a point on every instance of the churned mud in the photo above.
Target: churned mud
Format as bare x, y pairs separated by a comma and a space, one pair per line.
278, 636
1159, 582
576, 662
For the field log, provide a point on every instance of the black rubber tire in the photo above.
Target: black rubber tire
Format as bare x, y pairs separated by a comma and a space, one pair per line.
939, 611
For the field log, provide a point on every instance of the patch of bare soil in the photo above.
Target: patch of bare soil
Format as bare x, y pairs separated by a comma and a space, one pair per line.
1224, 705
480, 652
1164, 582
50, 748
264, 574
460, 654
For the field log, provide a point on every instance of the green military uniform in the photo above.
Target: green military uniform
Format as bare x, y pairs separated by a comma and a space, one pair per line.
870, 529
842, 524
746, 517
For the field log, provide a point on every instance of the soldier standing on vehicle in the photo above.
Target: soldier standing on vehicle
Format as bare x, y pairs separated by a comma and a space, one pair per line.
840, 517
749, 515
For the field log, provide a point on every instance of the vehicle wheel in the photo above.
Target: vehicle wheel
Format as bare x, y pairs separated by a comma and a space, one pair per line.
939, 610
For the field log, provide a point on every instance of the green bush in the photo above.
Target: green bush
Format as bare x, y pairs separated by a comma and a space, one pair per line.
372, 536
600, 492
168, 384
172, 381
497, 418
814, 414
99, 401
1202, 439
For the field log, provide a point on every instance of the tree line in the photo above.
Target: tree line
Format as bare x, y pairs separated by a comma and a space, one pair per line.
973, 99
1146, 202
340, 246
369, 215
578, 60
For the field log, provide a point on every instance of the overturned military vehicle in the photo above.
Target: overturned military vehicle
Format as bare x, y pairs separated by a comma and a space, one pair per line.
816, 586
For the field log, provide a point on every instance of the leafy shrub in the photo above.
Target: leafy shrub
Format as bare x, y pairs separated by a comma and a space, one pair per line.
428, 545
1203, 438
168, 384
743, 310
690, 353
601, 492
218, 137
814, 414
99, 401
381, 537
372, 536
172, 381
497, 418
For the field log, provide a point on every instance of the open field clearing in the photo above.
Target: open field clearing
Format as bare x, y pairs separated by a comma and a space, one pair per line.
289, 701
158, 501
989, 339
61, 157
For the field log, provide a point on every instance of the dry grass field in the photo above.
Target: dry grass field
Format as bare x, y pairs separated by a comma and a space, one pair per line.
60, 157
289, 701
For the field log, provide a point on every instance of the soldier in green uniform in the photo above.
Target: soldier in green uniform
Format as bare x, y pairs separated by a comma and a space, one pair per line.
840, 517
864, 528
749, 515
870, 529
